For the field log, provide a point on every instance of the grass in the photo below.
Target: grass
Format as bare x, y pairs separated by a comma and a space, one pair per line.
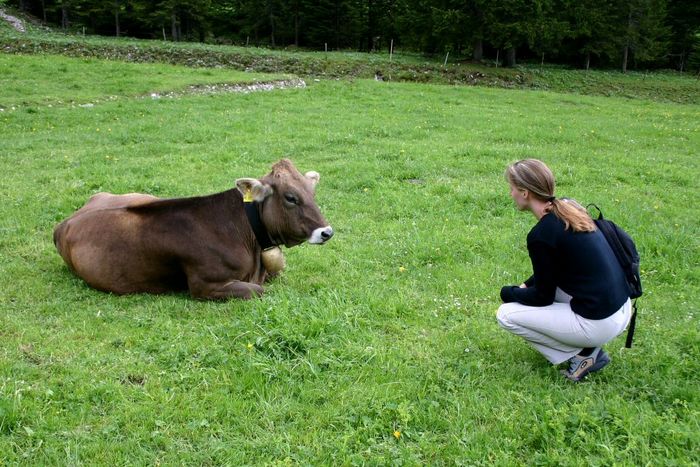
89, 80
378, 348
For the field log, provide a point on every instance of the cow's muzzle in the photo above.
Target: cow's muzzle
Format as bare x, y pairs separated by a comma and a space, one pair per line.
321, 235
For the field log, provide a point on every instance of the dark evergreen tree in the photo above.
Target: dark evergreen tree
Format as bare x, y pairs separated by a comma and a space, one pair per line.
644, 33
510, 24
592, 26
547, 29
684, 22
632, 33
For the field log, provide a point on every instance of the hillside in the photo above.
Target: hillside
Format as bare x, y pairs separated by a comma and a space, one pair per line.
400, 66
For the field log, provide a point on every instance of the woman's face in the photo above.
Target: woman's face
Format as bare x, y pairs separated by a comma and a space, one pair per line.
520, 197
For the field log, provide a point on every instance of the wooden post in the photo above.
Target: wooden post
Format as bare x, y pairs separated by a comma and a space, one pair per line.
391, 49
498, 51
445, 64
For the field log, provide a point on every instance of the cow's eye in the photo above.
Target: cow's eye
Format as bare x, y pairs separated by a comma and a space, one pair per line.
290, 198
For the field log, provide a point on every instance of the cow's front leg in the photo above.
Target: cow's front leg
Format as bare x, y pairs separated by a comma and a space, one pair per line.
223, 291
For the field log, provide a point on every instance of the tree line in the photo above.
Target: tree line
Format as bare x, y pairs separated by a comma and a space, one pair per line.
638, 34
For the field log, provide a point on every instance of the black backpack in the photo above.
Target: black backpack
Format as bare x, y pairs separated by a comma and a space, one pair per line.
626, 252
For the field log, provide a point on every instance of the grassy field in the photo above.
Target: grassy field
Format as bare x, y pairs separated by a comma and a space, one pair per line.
378, 348
26, 82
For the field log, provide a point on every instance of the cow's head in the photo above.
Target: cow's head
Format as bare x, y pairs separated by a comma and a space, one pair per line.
289, 210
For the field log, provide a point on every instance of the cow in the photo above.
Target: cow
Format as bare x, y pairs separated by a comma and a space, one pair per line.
215, 246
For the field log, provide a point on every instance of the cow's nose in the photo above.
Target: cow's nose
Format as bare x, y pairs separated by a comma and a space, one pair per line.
321, 235
327, 233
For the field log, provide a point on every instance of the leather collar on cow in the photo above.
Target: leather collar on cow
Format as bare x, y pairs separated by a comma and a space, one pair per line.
261, 234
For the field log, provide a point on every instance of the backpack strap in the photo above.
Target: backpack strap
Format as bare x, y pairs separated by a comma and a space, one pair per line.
593, 205
617, 249
633, 322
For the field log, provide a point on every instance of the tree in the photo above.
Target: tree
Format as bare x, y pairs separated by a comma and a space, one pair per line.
337, 23
449, 26
644, 32
271, 11
118, 8
63, 7
414, 24
296, 15
509, 24
684, 22
694, 54
591, 25
633, 32
475, 24
546, 29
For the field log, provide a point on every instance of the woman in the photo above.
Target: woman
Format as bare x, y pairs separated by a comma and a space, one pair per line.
577, 298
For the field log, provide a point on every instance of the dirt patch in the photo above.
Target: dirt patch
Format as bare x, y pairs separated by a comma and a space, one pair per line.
197, 89
14, 22
208, 89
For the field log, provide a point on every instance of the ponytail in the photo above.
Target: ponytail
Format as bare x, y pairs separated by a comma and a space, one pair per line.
573, 215
534, 175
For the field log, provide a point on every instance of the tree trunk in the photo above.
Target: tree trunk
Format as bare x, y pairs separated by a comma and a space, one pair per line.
174, 29
510, 57
370, 25
626, 51
336, 26
271, 15
296, 28
588, 60
478, 53
43, 10
116, 18
64, 16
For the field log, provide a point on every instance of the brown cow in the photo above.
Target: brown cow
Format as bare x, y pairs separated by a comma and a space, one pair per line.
212, 245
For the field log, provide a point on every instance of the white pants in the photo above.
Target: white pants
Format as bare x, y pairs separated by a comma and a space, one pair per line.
556, 331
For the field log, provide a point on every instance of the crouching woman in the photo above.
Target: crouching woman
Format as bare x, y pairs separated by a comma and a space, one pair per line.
577, 298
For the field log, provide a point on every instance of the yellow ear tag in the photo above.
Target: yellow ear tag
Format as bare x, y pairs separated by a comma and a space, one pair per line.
248, 196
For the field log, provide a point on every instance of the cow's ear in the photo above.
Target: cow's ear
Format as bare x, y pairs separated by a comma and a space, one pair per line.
252, 189
313, 176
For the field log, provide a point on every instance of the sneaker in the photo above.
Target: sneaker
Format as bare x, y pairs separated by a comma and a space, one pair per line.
580, 367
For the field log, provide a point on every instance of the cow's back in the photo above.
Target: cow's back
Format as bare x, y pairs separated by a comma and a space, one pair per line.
102, 243
99, 201
106, 200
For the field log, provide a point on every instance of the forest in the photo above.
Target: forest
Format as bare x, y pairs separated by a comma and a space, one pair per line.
612, 34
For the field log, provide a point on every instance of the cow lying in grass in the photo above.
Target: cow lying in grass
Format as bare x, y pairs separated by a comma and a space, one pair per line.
216, 246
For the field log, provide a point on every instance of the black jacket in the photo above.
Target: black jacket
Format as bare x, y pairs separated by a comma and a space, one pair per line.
580, 263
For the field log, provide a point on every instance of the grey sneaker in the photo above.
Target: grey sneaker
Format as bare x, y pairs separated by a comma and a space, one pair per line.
580, 367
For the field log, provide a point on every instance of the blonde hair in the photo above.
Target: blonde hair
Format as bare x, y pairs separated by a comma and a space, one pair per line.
534, 176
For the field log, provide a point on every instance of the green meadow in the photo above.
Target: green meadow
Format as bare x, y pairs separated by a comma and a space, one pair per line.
379, 348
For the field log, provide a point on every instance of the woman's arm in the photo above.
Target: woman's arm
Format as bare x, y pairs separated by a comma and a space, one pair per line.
540, 288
